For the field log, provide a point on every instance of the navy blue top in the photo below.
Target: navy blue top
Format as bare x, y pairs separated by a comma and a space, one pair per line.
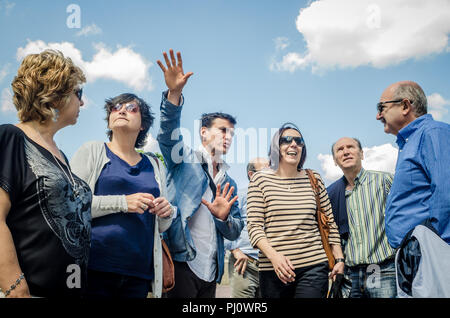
336, 194
123, 242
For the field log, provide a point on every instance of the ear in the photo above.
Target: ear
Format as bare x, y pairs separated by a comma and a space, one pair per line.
250, 174
203, 133
407, 107
362, 155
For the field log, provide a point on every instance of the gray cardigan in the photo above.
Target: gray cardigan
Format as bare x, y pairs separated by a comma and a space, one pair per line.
87, 163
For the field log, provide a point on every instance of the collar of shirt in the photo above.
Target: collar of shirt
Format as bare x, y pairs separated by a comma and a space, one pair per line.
360, 178
206, 157
412, 127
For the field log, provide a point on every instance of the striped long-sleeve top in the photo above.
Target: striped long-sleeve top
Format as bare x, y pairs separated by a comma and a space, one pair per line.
283, 210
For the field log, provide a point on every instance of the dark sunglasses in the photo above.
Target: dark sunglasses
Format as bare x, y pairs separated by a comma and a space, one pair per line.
129, 107
288, 139
381, 107
79, 93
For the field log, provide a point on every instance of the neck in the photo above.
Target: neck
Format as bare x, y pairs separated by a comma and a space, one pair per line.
45, 131
350, 175
287, 171
216, 157
123, 144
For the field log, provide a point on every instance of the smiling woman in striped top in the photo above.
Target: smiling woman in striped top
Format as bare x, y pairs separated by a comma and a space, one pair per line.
282, 223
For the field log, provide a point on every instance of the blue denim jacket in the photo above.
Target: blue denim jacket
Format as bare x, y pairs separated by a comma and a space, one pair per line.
187, 183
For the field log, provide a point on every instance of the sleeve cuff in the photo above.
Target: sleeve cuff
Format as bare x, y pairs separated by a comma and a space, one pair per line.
169, 104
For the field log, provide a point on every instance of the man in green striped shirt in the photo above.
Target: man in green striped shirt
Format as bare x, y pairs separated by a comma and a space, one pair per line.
358, 200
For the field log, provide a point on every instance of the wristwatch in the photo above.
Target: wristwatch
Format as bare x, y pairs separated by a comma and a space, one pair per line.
338, 260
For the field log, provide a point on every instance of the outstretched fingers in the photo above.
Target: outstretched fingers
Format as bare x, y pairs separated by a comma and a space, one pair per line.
225, 190
230, 193
161, 66
186, 76
218, 191
166, 58
172, 58
180, 61
233, 200
208, 204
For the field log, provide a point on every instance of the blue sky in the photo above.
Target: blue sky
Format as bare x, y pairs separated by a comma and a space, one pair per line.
320, 64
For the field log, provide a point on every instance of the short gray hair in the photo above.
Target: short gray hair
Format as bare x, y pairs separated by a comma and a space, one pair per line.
415, 94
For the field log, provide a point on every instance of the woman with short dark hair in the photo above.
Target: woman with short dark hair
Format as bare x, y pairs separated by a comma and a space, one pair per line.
129, 207
282, 223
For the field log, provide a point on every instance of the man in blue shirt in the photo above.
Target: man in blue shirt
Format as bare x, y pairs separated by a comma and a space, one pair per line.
200, 188
420, 190
243, 260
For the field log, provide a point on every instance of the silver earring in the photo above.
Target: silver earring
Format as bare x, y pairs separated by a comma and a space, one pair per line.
55, 114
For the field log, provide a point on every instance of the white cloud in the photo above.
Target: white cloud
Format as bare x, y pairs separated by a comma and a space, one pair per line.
91, 29
281, 43
379, 158
4, 72
378, 33
6, 104
437, 106
123, 65
290, 62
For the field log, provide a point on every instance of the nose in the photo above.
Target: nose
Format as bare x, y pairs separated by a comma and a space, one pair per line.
122, 110
81, 103
378, 116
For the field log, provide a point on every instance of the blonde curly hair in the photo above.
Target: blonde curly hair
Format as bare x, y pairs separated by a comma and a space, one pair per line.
44, 83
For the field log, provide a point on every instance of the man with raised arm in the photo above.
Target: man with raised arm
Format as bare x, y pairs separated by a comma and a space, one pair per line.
200, 187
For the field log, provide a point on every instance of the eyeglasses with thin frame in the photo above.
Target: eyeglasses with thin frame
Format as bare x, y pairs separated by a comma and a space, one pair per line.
129, 107
288, 139
79, 93
381, 107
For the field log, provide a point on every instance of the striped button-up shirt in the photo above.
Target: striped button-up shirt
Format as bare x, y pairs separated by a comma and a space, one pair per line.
366, 202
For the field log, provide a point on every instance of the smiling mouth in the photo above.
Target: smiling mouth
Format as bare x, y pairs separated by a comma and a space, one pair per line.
292, 153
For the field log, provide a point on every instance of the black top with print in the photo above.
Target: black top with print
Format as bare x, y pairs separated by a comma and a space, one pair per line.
49, 219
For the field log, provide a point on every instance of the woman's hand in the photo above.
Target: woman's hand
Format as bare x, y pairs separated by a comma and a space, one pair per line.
140, 202
174, 76
283, 267
337, 269
162, 207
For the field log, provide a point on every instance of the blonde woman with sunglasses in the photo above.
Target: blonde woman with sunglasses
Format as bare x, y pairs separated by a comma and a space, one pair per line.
45, 216
129, 208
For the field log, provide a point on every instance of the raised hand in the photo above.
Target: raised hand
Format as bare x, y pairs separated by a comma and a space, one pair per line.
221, 205
174, 76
